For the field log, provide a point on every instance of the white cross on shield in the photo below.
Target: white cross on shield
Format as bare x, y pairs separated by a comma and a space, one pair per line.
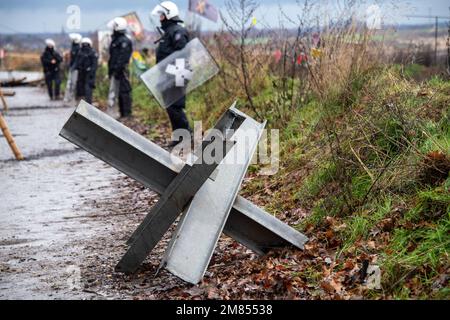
180, 72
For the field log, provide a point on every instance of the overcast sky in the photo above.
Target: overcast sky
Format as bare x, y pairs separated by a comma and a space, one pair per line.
32, 16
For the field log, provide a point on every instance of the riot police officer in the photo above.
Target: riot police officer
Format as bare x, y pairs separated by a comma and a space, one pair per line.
174, 38
51, 60
120, 52
75, 47
86, 65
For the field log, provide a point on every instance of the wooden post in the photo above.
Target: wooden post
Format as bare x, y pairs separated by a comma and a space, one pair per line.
5, 106
10, 138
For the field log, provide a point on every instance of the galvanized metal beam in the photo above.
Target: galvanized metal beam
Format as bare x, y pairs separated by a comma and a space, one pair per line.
121, 147
258, 230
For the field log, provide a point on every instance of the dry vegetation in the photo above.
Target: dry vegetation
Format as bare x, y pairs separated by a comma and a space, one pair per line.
25, 61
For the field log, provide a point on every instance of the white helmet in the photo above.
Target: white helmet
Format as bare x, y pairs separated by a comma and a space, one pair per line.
86, 41
168, 8
118, 24
75, 37
50, 43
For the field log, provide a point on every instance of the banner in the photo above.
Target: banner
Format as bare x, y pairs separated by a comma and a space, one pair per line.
135, 26
204, 8
138, 65
180, 73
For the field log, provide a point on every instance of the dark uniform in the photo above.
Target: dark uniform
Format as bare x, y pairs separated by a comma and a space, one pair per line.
73, 53
86, 64
175, 38
120, 52
51, 71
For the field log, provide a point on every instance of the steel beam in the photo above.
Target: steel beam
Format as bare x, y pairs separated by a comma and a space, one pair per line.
121, 147
258, 230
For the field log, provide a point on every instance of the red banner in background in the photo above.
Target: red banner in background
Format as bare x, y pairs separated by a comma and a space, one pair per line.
135, 25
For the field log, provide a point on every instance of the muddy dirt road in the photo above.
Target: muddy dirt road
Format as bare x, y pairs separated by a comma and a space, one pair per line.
45, 200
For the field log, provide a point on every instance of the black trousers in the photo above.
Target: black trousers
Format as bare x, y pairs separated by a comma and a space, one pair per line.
177, 115
53, 82
85, 86
125, 99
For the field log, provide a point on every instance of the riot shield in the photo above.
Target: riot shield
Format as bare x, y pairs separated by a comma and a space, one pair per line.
71, 85
113, 92
180, 73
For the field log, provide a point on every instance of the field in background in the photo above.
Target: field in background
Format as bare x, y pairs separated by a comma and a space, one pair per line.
22, 61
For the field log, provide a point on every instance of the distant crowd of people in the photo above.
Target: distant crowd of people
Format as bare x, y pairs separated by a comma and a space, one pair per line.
82, 69
84, 60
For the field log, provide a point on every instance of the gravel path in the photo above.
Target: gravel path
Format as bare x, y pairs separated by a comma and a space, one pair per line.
45, 201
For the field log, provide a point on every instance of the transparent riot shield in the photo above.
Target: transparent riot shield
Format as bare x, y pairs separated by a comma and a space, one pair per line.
71, 85
113, 92
180, 73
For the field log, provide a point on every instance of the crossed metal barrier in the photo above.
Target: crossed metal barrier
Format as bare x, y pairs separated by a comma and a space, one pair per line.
205, 194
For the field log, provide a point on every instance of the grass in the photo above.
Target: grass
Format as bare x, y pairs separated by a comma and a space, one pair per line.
418, 256
315, 182
415, 253
430, 204
360, 225
413, 70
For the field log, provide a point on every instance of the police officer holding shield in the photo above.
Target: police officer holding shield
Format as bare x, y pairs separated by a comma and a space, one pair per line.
120, 52
175, 37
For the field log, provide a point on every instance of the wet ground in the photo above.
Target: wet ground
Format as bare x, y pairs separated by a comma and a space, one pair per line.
28, 76
45, 201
